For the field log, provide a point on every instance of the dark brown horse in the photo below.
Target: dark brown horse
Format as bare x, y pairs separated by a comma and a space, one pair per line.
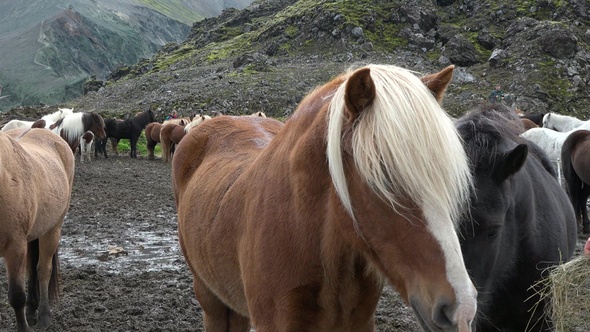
128, 129
575, 162
296, 227
152, 137
36, 177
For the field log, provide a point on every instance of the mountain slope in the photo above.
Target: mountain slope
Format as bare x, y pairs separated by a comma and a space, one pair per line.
269, 55
49, 48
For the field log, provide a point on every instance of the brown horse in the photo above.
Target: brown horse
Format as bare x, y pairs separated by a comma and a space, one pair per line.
296, 227
528, 124
152, 137
170, 134
36, 177
575, 162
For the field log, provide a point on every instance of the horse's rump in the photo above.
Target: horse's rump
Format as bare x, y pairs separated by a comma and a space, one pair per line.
206, 165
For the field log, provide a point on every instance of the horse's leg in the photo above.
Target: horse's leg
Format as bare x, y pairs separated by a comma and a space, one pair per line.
48, 272
82, 150
133, 146
150, 149
15, 269
216, 315
115, 145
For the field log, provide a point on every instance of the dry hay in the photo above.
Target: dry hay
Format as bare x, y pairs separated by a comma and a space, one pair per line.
567, 290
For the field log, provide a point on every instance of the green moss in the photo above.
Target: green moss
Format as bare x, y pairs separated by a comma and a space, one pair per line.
223, 50
164, 61
291, 31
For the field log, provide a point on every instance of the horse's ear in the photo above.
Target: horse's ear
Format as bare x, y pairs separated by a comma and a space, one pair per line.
510, 163
438, 83
360, 92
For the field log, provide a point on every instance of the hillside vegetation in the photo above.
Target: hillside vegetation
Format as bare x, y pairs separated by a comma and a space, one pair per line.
267, 56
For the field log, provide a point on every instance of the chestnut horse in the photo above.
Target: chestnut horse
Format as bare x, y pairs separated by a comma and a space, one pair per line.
152, 137
36, 172
296, 227
170, 134
575, 162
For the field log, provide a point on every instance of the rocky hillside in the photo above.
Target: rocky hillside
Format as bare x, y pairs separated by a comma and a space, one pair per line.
49, 48
267, 56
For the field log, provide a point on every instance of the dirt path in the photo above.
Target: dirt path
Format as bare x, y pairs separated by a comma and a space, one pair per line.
121, 203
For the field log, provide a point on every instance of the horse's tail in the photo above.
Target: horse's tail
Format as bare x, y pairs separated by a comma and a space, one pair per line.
55, 278
33, 276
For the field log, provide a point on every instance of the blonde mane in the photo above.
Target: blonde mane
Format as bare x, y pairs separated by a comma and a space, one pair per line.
404, 145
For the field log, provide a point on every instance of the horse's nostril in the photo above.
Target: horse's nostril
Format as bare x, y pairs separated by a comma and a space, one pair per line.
443, 314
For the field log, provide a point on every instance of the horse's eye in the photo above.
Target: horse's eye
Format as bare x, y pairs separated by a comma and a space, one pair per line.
492, 234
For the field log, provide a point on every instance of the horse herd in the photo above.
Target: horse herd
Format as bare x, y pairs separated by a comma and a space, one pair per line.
297, 226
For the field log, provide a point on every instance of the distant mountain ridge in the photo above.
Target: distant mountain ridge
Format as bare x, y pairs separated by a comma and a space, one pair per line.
49, 48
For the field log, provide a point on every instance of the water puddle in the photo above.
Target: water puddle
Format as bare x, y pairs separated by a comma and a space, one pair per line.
141, 250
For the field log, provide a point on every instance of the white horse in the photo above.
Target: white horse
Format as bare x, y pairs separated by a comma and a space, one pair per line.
547, 139
49, 119
86, 142
564, 123
259, 114
197, 120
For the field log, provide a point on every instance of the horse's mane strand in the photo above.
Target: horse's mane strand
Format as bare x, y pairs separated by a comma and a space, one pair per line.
404, 146
73, 126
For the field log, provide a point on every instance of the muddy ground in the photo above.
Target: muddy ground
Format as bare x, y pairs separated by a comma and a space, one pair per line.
122, 269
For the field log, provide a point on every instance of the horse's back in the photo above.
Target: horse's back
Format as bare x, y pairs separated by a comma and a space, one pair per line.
235, 140
40, 166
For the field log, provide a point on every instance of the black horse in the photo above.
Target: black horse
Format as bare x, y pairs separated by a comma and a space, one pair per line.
124, 129
520, 221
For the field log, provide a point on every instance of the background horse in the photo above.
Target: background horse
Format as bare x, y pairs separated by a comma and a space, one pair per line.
536, 118
49, 120
152, 137
73, 126
170, 134
128, 129
293, 227
563, 123
37, 172
575, 161
528, 124
197, 121
549, 140
520, 222
86, 142
260, 114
